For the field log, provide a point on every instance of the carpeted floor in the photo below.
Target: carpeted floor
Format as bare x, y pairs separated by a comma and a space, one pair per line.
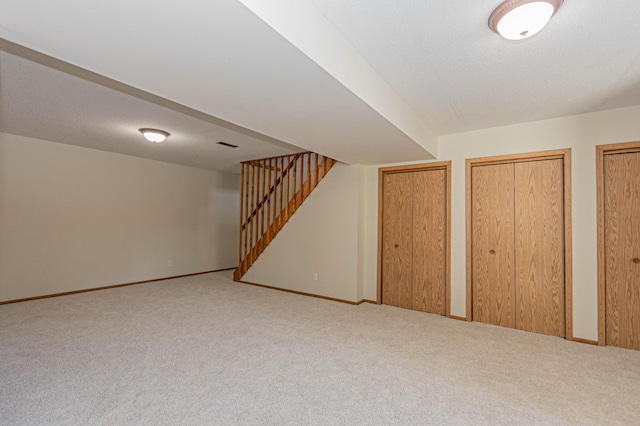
206, 350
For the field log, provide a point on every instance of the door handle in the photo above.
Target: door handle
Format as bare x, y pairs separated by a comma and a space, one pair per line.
492, 251
635, 260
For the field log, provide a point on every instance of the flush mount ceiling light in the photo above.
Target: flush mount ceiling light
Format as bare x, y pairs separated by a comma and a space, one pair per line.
519, 19
154, 135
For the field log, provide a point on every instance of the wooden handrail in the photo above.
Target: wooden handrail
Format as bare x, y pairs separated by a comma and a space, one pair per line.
271, 190
275, 158
267, 196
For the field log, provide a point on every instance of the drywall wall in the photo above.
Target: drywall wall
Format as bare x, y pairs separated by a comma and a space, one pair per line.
362, 228
321, 237
581, 133
74, 218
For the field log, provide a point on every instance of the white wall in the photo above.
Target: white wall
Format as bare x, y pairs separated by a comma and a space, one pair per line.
321, 237
336, 233
581, 133
74, 218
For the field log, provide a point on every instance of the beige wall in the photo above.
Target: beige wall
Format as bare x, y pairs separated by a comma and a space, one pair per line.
347, 211
321, 237
57, 234
73, 218
581, 133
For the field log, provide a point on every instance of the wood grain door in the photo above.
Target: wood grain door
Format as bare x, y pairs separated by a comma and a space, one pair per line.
397, 242
414, 240
539, 247
492, 224
622, 249
429, 241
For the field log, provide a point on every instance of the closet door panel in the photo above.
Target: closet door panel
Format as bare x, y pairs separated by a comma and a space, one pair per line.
539, 255
492, 213
429, 241
397, 240
622, 249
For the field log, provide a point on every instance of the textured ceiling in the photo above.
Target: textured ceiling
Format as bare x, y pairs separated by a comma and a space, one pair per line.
216, 57
360, 81
458, 75
62, 103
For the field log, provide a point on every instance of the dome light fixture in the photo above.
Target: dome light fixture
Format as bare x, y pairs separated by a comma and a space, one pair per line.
154, 135
520, 19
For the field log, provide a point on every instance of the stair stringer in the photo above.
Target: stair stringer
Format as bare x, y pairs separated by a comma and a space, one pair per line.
321, 238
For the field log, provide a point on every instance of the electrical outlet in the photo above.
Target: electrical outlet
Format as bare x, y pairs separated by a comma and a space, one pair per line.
314, 276
170, 263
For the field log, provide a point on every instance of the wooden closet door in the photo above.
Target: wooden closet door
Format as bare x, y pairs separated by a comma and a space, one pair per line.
539, 257
622, 249
492, 213
397, 240
429, 241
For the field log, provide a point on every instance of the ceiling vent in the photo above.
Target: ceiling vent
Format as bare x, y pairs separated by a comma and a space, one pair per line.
230, 145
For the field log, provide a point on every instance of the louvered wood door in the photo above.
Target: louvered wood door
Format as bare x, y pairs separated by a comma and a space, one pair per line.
429, 241
397, 242
493, 244
539, 212
414, 240
622, 249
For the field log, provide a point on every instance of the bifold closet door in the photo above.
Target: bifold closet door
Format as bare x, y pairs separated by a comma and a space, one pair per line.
429, 241
493, 244
539, 213
622, 249
397, 242
414, 240
518, 245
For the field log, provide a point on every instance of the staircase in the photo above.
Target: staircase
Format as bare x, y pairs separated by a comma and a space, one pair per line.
271, 190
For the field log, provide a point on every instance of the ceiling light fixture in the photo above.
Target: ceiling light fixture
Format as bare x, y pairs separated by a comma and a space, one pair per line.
520, 19
154, 135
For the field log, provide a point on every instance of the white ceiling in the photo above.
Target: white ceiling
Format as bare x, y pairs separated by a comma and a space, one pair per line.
46, 99
362, 81
458, 75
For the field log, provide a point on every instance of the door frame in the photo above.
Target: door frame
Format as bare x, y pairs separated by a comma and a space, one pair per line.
440, 165
565, 156
601, 151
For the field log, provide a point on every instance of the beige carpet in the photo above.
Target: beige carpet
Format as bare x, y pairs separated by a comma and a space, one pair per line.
205, 350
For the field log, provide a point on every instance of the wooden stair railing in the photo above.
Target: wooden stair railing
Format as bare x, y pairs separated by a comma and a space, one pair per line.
271, 190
